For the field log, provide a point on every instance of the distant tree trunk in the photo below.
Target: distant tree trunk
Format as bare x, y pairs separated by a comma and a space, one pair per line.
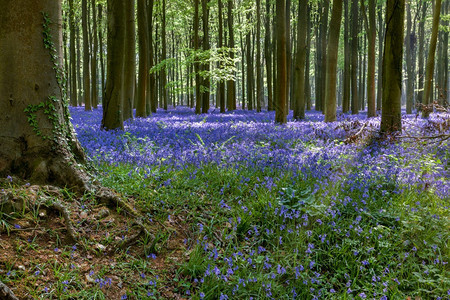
231, 84
100, 38
206, 81
430, 61
392, 67
346, 83
152, 99
130, 59
221, 83
80, 89
249, 61
409, 61
94, 77
86, 57
114, 94
259, 79
300, 61
142, 89
288, 53
354, 61
281, 96
322, 64
332, 55
164, 56
308, 49
73, 59
370, 24
445, 71
380, 55
198, 82
38, 143
268, 57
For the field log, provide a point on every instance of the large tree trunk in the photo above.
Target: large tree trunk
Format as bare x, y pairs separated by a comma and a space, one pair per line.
392, 67
141, 110
281, 96
430, 61
300, 61
37, 141
86, 58
130, 60
332, 55
114, 94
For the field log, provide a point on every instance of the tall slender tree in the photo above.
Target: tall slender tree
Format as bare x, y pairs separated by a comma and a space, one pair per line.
268, 56
73, 59
86, 57
354, 59
142, 88
392, 67
231, 84
430, 61
130, 59
300, 61
281, 36
259, 79
94, 65
332, 55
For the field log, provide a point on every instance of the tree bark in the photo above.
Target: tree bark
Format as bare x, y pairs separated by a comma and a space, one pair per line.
231, 84
249, 60
152, 99
141, 108
332, 55
221, 83
259, 79
281, 96
268, 58
354, 60
392, 67
300, 61
380, 55
198, 81
86, 57
163, 73
100, 38
114, 94
370, 24
430, 61
346, 83
94, 78
409, 61
37, 141
73, 59
130, 59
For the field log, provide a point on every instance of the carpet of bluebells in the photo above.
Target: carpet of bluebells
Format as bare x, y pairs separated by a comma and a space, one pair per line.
306, 210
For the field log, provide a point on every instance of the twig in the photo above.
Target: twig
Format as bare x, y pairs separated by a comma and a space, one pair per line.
6, 293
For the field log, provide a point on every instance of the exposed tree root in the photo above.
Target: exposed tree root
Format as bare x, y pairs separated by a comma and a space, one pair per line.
72, 235
6, 293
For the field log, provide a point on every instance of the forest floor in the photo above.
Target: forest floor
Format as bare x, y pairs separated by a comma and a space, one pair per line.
242, 208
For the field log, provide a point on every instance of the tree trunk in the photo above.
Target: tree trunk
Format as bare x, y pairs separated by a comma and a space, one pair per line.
370, 24
259, 79
163, 74
430, 61
221, 83
281, 96
308, 50
332, 55
354, 62
409, 61
300, 61
38, 141
130, 59
114, 94
86, 57
198, 81
392, 67
206, 67
94, 78
268, 57
100, 38
152, 99
346, 83
231, 84
249, 60
141, 108
380, 55
80, 89
322, 64
73, 59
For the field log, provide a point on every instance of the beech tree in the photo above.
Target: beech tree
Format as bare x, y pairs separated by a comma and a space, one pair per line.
391, 119
281, 36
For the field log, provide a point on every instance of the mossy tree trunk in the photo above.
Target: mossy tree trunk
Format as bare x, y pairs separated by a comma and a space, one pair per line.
392, 67
37, 141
